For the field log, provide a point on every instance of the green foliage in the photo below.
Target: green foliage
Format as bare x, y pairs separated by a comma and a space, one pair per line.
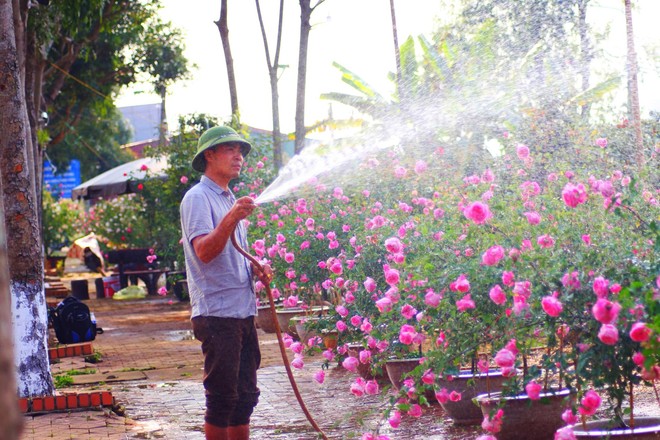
60, 222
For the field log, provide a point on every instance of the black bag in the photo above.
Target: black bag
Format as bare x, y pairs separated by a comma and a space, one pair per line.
73, 322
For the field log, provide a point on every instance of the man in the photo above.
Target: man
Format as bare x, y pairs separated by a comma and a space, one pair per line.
220, 284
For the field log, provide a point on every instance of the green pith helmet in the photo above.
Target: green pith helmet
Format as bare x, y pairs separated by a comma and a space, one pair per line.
216, 136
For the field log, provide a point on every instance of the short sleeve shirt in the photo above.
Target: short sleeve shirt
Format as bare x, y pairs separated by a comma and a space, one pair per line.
222, 287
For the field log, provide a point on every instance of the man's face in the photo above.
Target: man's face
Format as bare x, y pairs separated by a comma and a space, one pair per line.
225, 159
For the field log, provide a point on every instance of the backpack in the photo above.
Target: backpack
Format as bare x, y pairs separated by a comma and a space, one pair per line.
73, 322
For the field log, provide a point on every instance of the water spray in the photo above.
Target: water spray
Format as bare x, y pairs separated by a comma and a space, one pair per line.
280, 341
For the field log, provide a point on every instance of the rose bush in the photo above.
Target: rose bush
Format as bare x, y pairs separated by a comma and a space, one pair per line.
551, 272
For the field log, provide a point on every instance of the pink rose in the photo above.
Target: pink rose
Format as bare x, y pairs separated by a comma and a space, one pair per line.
601, 142
465, 303
492, 256
460, 285
533, 390
384, 305
497, 295
574, 195
608, 334
478, 212
569, 417
522, 151
442, 396
605, 311
369, 284
545, 241
407, 334
415, 410
350, 363
565, 433
371, 387
455, 396
589, 403
432, 299
494, 424
392, 277
393, 245
534, 218
505, 358
395, 419
640, 332
552, 306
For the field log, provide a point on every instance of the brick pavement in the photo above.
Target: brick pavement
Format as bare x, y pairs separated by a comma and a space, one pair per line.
152, 340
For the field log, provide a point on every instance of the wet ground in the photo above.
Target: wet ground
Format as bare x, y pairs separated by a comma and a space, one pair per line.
152, 339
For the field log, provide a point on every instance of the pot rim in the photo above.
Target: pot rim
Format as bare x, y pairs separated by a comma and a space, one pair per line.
653, 427
497, 395
467, 374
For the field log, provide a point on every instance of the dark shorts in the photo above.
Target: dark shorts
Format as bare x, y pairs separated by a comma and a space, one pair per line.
231, 359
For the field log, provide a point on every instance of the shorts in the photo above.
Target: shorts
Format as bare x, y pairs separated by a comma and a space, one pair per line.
231, 359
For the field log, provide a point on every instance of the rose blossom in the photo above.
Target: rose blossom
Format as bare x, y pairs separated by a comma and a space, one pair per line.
640, 332
465, 303
478, 212
350, 363
608, 334
492, 256
565, 433
533, 390
505, 358
574, 195
569, 417
589, 403
497, 295
605, 311
522, 151
442, 395
551, 305
534, 218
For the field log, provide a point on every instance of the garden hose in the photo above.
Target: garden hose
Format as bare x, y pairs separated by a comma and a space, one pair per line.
278, 331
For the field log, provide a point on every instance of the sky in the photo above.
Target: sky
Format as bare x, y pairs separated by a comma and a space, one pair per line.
355, 33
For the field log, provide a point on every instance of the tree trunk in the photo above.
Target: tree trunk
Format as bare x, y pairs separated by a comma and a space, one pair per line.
633, 91
10, 419
162, 128
272, 74
397, 56
586, 54
24, 248
229, 61
305, 14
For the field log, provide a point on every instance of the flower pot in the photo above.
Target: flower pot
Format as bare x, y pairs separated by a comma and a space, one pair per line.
300, 323
265, 319
330, 339
366, 371
284, 317
397, 370
470, 385
525, 418
646, 428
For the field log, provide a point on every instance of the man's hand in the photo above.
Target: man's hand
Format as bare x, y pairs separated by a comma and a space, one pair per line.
264, 274
243, 208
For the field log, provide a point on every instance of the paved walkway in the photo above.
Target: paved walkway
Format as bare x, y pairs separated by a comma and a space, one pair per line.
153, 367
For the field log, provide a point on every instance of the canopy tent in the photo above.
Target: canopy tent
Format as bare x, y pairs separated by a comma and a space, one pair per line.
123, 179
